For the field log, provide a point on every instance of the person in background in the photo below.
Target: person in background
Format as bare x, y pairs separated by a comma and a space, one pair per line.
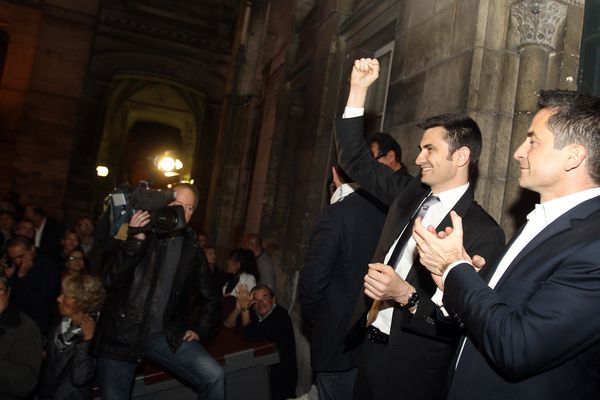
69, 242
76, 263
84, 228
264, 263
341, 245
25, 228
20, 348
35, 281
241, 266
150, 281
7, 225
267, 320
48, 232
69, 369
202, 239
211, 257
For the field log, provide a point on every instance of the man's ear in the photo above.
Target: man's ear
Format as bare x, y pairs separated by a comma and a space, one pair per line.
462, 156
576, 154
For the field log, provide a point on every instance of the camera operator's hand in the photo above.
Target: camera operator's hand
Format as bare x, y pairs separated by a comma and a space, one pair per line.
138, 220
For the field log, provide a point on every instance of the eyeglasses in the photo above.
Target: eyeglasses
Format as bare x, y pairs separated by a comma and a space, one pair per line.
378, 156
73, 258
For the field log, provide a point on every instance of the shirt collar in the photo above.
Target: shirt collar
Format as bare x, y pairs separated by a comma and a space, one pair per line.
341, 192
450, 197
261, 318
552, 209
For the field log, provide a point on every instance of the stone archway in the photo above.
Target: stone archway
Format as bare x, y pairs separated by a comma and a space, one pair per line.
136, 98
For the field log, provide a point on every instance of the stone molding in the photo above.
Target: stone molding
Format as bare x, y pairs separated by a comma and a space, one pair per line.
578, 3
539, 22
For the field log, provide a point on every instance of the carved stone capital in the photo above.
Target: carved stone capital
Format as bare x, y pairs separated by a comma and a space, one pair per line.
539, 22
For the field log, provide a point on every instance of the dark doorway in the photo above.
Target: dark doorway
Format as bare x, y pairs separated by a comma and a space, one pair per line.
145, 141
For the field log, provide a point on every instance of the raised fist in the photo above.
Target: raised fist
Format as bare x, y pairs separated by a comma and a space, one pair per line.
364, 72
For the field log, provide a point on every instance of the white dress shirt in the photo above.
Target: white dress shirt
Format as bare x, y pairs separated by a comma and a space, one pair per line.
538, 219
435, 215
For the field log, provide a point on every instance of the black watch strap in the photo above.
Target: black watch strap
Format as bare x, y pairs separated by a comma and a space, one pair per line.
412, 301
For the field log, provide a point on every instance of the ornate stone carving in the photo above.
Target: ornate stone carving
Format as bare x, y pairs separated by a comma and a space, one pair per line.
539, 21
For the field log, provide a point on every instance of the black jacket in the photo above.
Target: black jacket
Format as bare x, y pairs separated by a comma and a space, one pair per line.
130, 278
341, 245
67, 372
422, 344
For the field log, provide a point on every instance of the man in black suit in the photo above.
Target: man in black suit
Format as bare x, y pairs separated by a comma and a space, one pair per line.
48, 233
341, 244
532, 327
410, 343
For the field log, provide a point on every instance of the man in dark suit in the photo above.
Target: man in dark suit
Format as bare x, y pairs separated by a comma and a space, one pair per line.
532, 328
48, 233
410, 344
341, 244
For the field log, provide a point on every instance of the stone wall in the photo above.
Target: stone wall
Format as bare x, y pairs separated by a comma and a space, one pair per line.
488, 58
41, 89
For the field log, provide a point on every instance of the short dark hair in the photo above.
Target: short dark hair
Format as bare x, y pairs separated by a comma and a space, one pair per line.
268, 289
247, 261
386, 142
20, 240
575, 120
461, 130
191, 188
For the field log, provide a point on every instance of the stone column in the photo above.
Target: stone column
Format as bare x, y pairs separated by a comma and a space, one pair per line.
538, 29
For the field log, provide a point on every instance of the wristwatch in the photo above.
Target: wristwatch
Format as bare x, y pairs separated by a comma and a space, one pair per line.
412, 301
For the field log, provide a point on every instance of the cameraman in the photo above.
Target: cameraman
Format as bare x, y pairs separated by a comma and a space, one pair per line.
149, 283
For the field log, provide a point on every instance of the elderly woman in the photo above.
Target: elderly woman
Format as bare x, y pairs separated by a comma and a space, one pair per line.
68, 369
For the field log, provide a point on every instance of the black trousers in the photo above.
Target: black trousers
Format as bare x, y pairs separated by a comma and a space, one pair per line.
388, 372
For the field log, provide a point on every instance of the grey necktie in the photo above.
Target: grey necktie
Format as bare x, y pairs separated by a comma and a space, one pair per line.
400, 245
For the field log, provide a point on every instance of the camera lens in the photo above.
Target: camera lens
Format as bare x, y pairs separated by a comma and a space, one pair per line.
166, 219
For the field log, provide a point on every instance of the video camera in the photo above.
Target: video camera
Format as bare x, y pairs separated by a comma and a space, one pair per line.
126, 200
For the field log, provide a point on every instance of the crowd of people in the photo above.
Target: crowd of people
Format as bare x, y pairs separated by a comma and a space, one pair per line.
79, 310
408, 284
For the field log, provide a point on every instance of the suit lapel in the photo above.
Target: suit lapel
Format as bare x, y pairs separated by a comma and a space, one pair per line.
404, 218
561, 224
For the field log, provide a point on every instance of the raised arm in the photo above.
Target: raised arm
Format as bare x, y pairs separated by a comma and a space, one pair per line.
353, 154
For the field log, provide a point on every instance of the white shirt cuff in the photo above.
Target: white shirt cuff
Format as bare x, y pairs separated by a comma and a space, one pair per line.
352, 112
437, 300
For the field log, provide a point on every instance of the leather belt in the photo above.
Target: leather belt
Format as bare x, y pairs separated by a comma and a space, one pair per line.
374, 335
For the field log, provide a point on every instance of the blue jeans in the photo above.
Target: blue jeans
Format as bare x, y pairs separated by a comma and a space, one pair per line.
191, 362
336, 385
